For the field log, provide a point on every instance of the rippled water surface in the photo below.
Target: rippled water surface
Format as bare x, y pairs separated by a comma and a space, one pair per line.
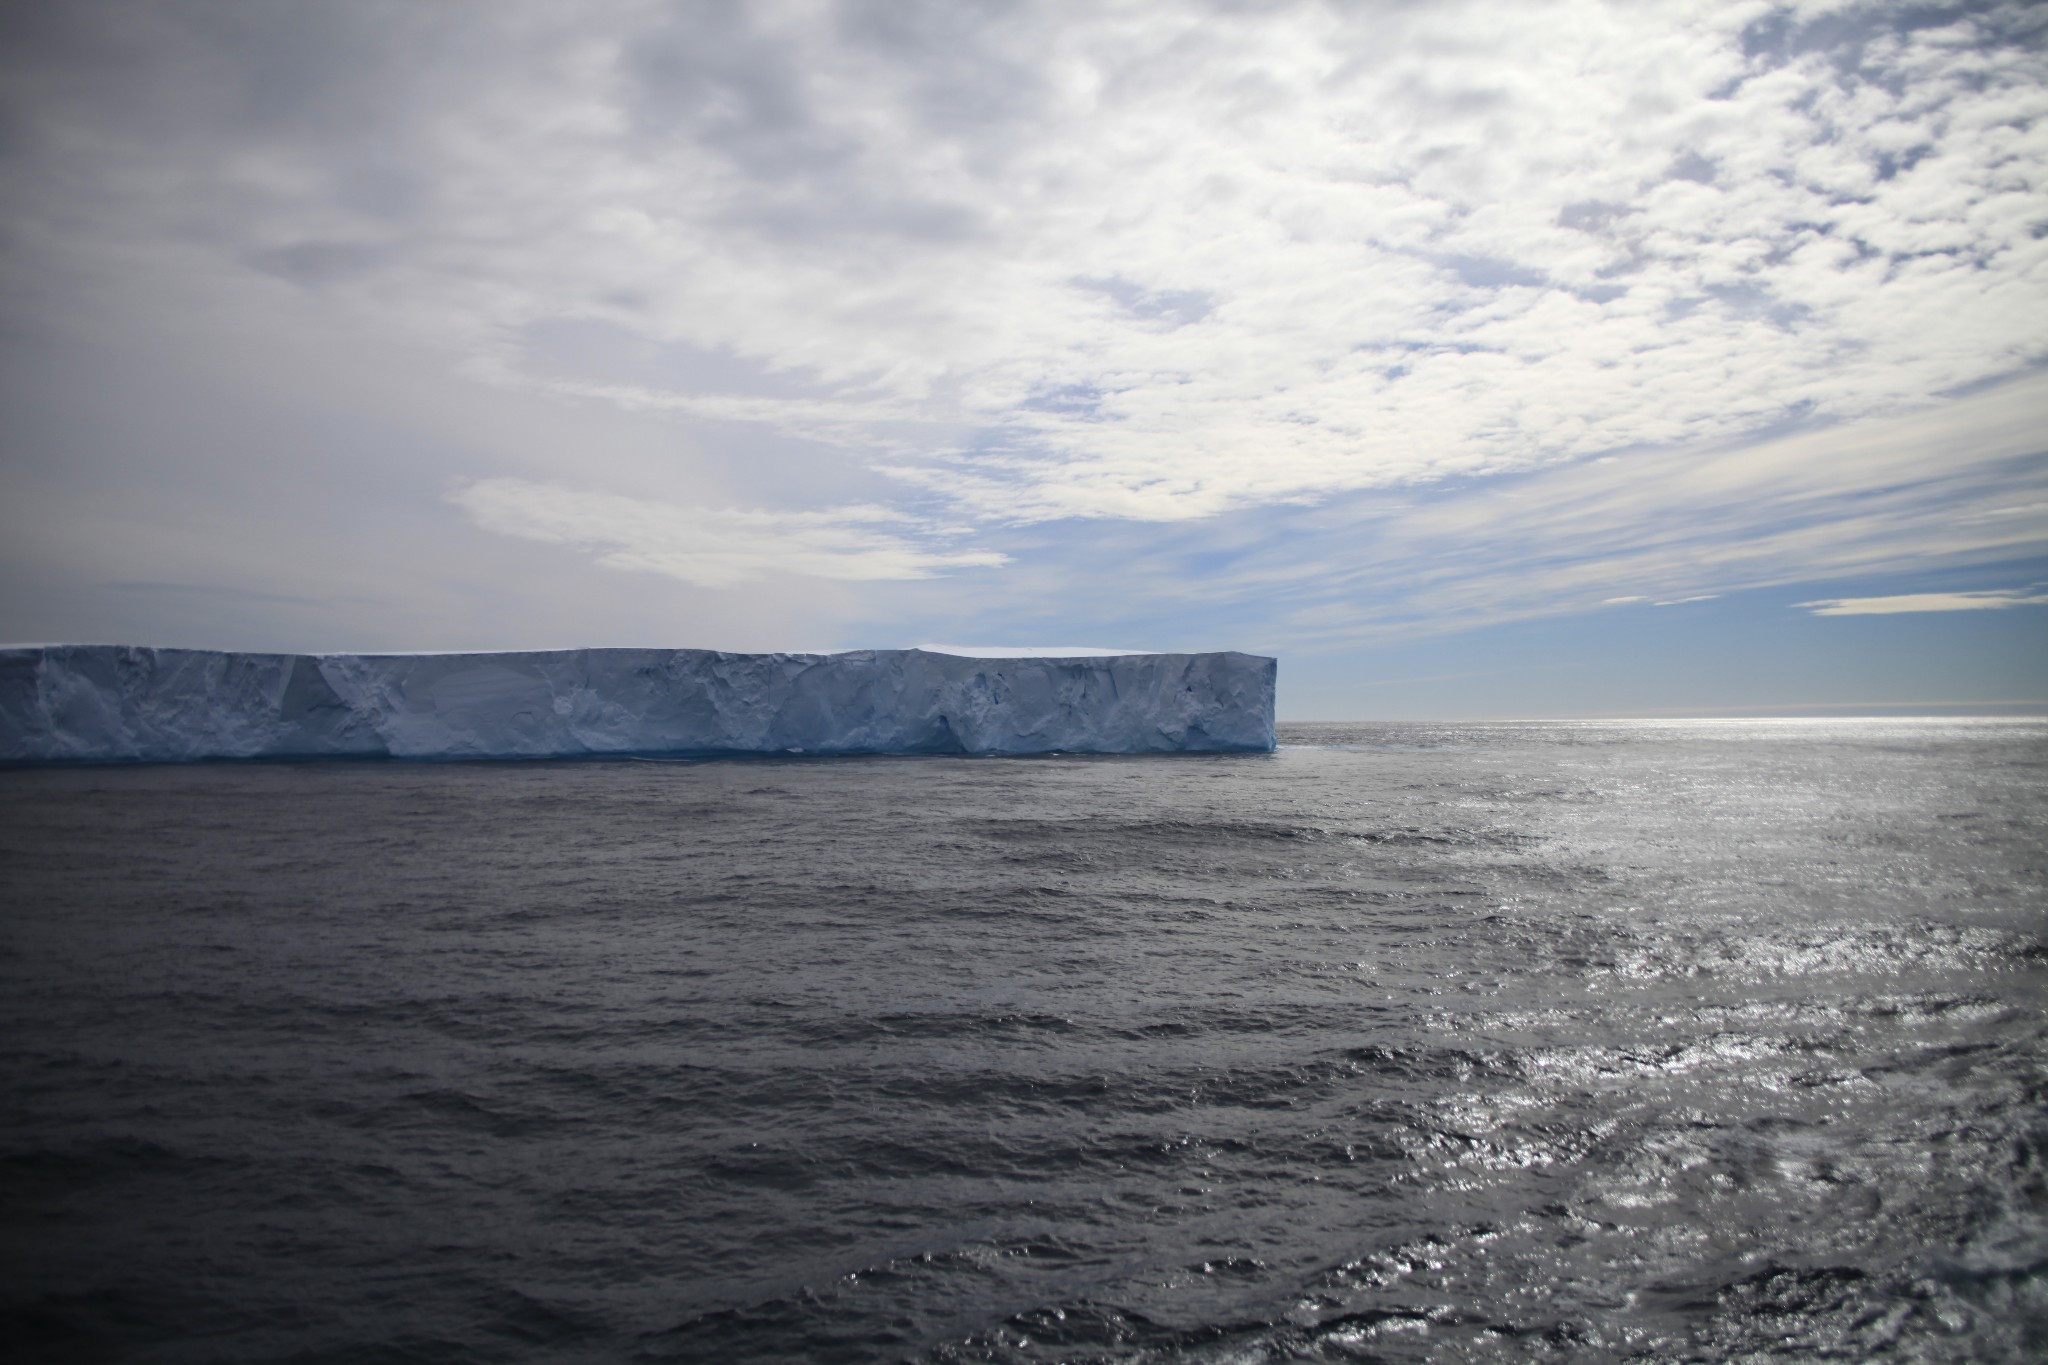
1663, 1041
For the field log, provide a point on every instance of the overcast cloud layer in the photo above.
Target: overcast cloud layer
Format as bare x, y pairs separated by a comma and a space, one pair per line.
1402, 315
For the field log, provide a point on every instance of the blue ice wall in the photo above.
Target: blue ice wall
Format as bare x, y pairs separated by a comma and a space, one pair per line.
117, 703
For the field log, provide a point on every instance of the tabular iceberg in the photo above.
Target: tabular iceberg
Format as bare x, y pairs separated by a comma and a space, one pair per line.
123, 704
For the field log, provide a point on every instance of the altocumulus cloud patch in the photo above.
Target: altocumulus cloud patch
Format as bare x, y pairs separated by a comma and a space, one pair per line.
1348, 248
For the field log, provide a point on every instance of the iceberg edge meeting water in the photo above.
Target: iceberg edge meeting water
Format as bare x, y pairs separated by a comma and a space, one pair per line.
137, 704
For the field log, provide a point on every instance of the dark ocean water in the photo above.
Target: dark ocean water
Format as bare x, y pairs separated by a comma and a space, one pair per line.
1661, 1041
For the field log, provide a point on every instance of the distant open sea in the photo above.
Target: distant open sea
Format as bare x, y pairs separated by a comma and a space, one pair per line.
1663, 1041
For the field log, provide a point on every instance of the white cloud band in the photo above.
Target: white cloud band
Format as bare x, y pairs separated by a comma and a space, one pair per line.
712, 547
1991, 600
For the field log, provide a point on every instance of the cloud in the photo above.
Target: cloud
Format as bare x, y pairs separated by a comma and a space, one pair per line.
1689, 523
1926, 601
1159, 261
711, 547
1309, 322
1656, 528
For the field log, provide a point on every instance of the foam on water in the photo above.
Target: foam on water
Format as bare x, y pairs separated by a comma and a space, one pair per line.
1630, 1042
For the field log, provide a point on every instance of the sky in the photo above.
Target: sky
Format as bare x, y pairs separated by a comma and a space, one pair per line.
1474, 359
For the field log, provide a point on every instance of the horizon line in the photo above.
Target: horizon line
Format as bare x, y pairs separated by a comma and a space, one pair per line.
1974, 710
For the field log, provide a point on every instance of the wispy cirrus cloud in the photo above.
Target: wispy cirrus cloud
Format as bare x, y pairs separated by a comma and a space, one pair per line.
714, 547
1665, 529
1683, 525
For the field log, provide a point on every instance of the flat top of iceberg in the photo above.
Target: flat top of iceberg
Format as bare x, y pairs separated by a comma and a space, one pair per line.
960, 651
1031, 651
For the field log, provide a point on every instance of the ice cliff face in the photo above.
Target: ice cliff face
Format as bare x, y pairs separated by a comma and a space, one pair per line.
116, 703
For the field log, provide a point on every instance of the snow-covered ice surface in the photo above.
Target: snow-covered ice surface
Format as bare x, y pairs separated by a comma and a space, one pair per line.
1028, 651
119, 703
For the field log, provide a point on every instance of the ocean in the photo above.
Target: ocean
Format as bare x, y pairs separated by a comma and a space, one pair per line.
1586, 1041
